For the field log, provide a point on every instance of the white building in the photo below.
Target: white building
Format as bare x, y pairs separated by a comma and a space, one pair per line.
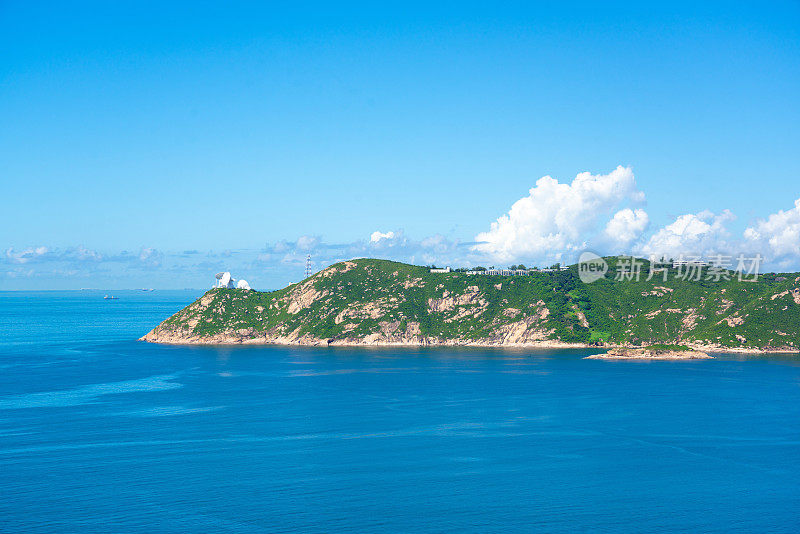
514, 272
445, 270
691, 263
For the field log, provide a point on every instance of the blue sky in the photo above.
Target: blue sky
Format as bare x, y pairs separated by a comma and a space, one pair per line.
152, 144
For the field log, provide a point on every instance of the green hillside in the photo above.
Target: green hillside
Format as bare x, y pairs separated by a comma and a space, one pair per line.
378, 301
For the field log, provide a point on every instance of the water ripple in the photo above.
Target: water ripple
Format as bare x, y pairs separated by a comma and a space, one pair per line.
87, 394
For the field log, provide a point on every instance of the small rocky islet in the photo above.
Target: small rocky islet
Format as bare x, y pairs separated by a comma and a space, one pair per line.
651, 353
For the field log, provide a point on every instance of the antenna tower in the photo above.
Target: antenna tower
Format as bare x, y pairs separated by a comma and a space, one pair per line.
308, 265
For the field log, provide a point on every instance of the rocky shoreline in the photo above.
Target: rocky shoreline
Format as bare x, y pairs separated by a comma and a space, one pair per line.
174, 338
615, 351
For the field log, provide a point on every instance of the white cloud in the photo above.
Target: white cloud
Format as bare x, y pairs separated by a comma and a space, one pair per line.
377, 236
307, 242
65, 266
555, 218
151, 257
26, 255
393, 245
625, 227
779, 233
42, 254
280, 246
700, 233
82, 258
438, 243
82, 253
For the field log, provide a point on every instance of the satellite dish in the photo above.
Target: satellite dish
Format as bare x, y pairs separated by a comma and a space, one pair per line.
225, 280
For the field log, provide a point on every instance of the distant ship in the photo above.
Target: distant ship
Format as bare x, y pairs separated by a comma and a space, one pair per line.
110, 297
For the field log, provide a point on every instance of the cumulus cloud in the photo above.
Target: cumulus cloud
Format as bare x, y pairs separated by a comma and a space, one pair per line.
625, 227
558, 217
378, 236
696, 234
779, 234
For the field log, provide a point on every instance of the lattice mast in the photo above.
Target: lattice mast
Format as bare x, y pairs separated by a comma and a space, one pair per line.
308, 265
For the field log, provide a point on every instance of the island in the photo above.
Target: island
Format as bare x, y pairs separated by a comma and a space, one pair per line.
652, 352
379, 302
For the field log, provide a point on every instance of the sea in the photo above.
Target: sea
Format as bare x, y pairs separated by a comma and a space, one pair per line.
100, 432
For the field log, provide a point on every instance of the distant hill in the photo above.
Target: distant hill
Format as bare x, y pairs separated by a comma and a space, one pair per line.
373, 302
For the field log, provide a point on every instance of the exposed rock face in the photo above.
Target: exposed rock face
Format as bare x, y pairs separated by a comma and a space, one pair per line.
733, 320
690, 320
303, 297
448, 302
518, 333
367, 310
725, 306
658, 291
581, 316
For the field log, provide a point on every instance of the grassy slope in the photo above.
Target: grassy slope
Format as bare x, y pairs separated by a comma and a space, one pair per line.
355, 301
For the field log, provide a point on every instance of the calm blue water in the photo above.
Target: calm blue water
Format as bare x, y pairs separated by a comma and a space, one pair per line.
101, 433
